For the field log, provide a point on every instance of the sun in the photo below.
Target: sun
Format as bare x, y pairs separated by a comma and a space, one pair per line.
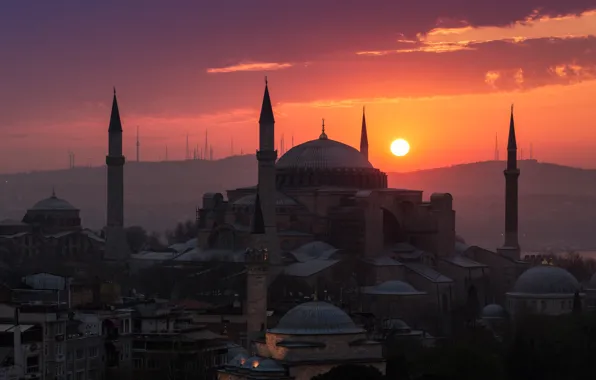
400, 147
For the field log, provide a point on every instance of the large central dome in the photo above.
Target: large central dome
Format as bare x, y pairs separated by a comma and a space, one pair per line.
316, 318
323, 154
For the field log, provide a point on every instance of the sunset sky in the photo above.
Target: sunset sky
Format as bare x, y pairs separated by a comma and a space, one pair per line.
439, 73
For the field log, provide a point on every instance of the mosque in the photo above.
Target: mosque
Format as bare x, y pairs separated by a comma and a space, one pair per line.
333, 227
50, 235
50, 229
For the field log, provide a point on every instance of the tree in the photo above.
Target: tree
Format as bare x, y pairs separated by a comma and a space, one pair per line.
351, 372
547, 347
474, 354
183, 232
137, 238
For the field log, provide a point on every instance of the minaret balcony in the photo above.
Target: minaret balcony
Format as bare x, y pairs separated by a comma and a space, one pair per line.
115, 160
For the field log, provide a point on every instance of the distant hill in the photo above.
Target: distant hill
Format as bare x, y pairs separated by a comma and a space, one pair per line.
557, 203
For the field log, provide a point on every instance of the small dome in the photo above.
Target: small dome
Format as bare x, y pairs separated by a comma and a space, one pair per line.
396, 325
323, 154
546, 279
316, 318
269, 365
238, 361
235, 352
251, 362
53, 203
392, 288
493, 311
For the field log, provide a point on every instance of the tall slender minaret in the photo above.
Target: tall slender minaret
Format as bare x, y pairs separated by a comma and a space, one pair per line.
364, 136
257, 260
511, 244
266, 156
116, 247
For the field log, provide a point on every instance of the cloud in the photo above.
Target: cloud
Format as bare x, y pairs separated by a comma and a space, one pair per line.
573, 73
534, 26
250, 66
359, 102
491, 78
505, 80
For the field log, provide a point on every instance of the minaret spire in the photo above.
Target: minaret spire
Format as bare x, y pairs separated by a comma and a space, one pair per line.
115, 123
266, 108
511, 244
267, 156
364, 136
511, 142
116, 247
257, 225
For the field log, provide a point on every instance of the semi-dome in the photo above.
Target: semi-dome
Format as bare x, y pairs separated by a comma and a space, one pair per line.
316, 318
493, 311
546, 279
323, 154
53, 203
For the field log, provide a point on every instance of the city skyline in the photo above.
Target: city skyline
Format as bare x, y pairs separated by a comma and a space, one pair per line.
453, 71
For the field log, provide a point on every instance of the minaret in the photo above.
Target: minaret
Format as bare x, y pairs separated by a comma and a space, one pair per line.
257, 259
511, 245
266, 156
364, 136
116, 247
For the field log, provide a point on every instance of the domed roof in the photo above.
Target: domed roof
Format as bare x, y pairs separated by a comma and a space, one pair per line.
493, 311
53, 203
323, 154
316, 318
546, 279
251, 362
392, 288
236, 352
396, 325
238, 360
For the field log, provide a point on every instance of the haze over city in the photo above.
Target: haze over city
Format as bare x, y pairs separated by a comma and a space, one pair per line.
439, 74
